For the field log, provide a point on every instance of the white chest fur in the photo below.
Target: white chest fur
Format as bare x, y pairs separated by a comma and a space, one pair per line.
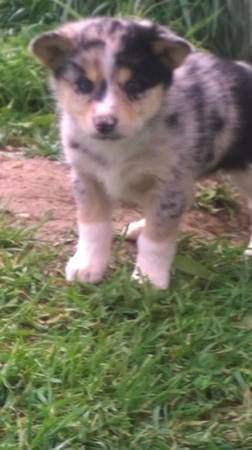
116, 164
125, 167
116, 167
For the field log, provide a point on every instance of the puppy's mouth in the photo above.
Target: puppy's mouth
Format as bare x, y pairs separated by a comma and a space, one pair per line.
107, 137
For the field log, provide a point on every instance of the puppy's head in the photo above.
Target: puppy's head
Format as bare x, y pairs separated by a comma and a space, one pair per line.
110, 74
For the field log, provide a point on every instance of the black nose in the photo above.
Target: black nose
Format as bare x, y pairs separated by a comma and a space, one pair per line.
105, 124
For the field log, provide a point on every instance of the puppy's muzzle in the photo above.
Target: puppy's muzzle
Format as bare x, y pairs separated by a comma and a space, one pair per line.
105, 125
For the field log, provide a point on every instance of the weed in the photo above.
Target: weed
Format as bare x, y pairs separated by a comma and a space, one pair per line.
214, 196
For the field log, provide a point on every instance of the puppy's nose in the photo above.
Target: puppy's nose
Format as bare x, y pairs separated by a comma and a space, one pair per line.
105, 124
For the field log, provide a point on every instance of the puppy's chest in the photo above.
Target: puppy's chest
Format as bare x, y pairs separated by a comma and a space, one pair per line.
126, 181
114, 179
123, 178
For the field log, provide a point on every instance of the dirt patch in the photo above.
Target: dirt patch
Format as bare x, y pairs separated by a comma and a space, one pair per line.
38, 192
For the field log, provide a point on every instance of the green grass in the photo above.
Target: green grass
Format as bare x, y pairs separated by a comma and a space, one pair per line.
219, 24
26, 108
120, 366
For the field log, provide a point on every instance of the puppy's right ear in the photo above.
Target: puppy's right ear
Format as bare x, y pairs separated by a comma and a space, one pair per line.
171, 48
51, 49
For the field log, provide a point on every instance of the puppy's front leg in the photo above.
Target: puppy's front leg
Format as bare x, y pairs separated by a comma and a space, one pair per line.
95, 232
155, 255
157, 241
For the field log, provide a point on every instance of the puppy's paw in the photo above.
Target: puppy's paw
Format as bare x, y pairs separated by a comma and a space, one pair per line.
154, 261
78, 269
134, 229
91, 259
158, 278
248, 252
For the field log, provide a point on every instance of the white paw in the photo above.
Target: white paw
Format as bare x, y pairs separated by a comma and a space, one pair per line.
133, 230
91, 259
154, 261
248, 252
78, 269
158, 278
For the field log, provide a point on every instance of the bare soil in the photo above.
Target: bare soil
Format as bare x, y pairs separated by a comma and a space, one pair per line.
38, 192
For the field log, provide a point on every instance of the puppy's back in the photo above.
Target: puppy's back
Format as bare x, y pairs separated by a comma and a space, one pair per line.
214, 96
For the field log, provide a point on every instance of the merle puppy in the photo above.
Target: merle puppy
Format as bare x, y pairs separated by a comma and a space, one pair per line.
143, 116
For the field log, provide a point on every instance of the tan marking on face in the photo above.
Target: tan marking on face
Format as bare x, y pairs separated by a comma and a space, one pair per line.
132, 115
70, 101
93, 72
91, 62
122, 75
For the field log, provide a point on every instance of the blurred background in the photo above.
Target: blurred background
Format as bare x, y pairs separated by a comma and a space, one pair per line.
26, 113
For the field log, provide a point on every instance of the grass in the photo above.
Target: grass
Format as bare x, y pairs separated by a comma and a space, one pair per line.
215, 195
219, 24
26, 117
120, 366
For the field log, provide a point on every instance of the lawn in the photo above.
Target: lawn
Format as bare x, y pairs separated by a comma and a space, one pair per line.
121, 366
117, 366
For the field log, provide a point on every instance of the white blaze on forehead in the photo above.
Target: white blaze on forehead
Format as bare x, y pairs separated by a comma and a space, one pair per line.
106, 106
109, 58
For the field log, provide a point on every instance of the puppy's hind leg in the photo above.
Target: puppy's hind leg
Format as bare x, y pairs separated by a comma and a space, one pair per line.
243, 180
133, 230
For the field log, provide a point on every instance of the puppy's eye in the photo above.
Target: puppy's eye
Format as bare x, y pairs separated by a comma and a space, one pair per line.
84, 85
134, 89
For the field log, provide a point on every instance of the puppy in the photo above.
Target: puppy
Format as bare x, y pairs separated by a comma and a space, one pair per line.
143, 116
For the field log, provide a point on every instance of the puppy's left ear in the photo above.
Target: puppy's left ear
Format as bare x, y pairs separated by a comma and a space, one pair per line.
51, 48
171, 48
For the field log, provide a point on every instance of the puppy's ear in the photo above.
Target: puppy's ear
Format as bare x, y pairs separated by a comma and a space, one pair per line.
171, 48
51, 49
